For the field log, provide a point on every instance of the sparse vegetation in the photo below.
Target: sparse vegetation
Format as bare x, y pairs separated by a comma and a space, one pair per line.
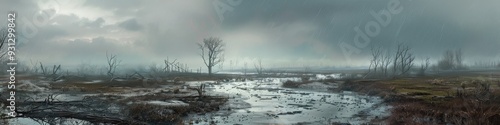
337, 62
454, 100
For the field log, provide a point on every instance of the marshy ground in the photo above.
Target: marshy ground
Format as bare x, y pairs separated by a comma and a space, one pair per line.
314, 98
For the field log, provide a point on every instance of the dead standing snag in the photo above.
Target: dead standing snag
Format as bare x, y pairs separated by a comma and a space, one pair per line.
212, 50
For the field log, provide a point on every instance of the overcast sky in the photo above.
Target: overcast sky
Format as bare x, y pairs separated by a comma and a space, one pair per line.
281, 32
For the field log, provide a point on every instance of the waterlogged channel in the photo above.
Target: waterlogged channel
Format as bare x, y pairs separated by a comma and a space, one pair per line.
266, 102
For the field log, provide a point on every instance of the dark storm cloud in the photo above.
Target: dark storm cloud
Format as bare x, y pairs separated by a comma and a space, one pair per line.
278, 31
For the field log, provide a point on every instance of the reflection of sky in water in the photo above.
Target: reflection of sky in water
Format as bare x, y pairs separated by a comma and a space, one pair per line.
272, 104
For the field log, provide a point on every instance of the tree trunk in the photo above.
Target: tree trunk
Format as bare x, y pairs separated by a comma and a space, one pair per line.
209, 70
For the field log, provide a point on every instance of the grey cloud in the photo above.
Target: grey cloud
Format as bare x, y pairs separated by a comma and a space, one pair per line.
131, 24
279, 31
97, 23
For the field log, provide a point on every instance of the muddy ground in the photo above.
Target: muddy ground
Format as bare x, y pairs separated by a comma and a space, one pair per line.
469, 98
225, 99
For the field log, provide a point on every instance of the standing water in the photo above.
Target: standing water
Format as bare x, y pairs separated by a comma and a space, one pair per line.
266, 102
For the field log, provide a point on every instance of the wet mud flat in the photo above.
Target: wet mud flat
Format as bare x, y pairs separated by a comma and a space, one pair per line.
100, 102
265, 101
230, 101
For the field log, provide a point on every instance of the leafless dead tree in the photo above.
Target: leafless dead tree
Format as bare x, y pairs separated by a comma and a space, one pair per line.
169, 65
212, 50
406, 60
376, 60
424, 66
258, 67
54, 73
379, 64
448, 61
386, 61
403, 60
55, 69
112, 65
173, 66
44, 71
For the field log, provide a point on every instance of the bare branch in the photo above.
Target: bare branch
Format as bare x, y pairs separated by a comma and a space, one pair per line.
212, 50
112, 64
258, 67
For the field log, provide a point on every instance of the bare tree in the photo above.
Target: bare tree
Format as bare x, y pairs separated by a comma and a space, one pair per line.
173, 66
258, 67
395, 62
212, 50
43, 69
55, 70
376, 60
379, 64
386, 61
403, 60
169, 65
112, 64
448, 61
54, 73
406, 60
424, 66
